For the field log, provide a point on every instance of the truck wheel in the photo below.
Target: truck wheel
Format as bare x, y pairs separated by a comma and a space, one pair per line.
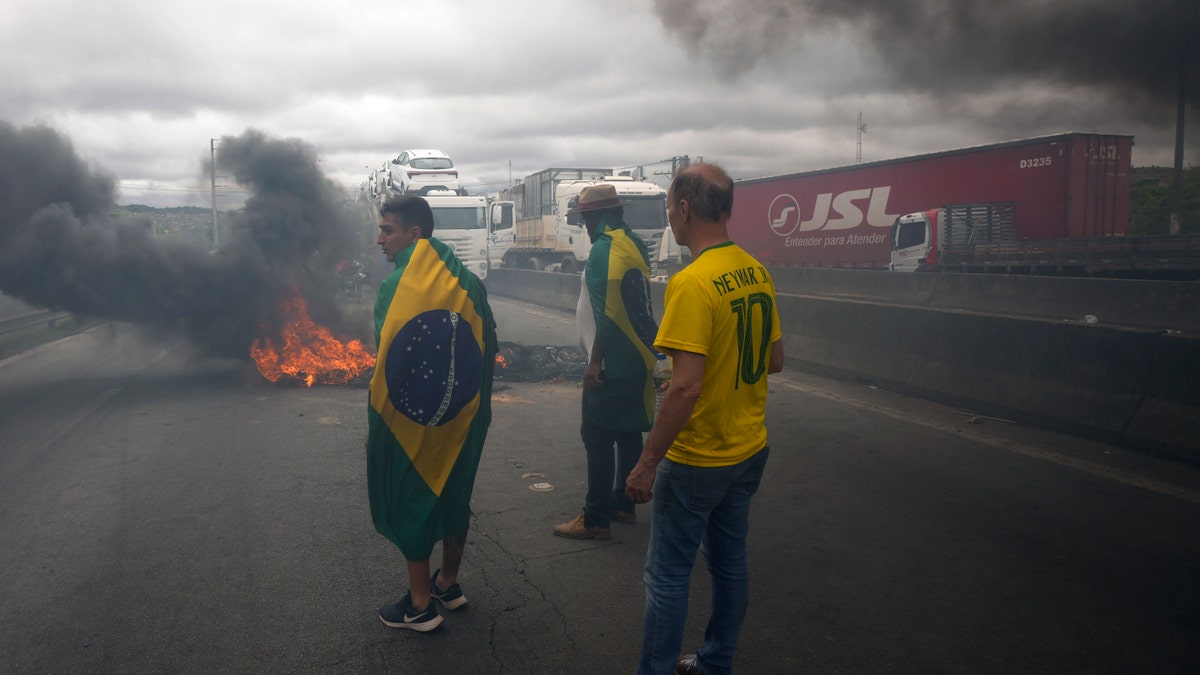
568, 266
534, 264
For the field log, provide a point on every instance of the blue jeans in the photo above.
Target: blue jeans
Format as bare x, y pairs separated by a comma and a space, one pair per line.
706, 508
606, 477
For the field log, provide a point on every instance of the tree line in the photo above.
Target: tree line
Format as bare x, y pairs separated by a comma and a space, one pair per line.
1151, 196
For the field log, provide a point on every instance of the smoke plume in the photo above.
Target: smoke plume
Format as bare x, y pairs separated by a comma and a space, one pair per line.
1130, 49
60, 250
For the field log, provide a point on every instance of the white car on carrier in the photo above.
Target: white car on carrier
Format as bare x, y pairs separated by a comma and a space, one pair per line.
423, 172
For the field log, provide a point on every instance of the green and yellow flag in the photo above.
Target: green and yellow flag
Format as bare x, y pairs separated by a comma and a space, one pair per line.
430, 397
618, 286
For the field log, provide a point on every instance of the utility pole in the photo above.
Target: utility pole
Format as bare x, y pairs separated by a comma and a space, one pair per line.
212, 151
1176, 226
679, 164
862, 129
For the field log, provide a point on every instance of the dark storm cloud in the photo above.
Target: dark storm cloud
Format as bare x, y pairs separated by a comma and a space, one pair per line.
1130, 48
59, 248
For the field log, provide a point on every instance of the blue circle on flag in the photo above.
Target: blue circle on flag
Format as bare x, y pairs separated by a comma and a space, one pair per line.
434, 367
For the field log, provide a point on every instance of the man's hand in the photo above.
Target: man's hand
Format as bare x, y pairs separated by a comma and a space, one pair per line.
639, 486
680, 400
591, 376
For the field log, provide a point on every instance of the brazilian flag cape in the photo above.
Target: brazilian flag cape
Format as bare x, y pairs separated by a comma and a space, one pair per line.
430, 399
618, 286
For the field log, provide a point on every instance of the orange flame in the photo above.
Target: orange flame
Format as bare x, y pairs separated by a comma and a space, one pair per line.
501, 362
308, 352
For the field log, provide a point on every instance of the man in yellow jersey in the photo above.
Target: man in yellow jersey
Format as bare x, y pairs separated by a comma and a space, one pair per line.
704, 457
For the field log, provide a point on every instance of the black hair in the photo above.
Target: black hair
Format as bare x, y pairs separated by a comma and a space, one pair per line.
618, 211
411, 211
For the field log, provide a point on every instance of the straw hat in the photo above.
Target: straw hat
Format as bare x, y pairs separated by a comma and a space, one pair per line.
596, 197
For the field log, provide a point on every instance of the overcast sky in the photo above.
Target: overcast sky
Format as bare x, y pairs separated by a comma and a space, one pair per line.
763, 87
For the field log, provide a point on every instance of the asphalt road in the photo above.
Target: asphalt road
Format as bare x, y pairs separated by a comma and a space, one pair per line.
164, 513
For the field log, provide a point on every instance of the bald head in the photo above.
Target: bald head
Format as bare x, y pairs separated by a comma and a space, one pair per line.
708, 191
699, 204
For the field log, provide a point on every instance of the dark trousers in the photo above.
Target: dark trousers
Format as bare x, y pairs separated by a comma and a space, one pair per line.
606, 475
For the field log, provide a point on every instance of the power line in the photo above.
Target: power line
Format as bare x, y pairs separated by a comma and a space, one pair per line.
157, 187
486, 183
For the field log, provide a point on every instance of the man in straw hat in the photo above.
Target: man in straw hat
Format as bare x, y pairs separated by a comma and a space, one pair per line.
616, 330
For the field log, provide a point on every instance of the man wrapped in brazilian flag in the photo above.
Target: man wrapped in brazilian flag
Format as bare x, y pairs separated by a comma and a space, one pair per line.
618, 391
430, 407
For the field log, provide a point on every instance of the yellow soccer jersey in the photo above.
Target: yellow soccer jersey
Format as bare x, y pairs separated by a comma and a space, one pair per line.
722, 305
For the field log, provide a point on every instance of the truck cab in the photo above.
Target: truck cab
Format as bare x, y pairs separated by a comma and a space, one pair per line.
535, 224
913, 241
928, 239
645, 212
461, 222
501, 232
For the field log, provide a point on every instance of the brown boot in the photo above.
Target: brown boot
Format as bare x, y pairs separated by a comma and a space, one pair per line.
576, 529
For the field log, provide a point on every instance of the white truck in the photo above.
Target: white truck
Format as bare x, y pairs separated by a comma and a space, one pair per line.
459, 221
534, 225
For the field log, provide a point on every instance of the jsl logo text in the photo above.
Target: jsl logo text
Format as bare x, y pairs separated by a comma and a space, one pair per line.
785, 216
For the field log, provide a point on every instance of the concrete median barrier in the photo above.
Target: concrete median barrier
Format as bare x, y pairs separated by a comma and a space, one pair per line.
1136, 386
1161, 305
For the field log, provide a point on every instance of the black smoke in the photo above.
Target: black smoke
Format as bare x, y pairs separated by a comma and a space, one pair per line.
60, 249
1128, 49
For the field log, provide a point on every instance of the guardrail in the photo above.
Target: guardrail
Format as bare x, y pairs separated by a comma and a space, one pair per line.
1160, 253
1159, 305
1132, 385
47, 317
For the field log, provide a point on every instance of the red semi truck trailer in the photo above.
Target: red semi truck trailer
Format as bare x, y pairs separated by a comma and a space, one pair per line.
1068, 186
